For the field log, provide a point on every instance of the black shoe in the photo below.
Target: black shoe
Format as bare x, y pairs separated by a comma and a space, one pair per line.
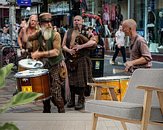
46, 111
79, 106
70, 104
46, 106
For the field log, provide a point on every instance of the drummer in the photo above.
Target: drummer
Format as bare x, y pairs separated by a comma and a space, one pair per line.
31, 27
50, 48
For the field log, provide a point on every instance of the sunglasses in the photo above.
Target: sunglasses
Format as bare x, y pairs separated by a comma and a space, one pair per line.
47, 21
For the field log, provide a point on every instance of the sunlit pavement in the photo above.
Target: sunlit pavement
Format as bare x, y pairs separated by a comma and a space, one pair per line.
7, 92
30, 116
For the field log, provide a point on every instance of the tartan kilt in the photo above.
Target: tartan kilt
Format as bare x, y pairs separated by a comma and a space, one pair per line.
81, 75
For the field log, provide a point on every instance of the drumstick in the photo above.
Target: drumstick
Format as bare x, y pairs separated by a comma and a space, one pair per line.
115, 71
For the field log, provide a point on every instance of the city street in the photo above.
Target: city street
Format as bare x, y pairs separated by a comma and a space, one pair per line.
30, 116
7, 92
31, 28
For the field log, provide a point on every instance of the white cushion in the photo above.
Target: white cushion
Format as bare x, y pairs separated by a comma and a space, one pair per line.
125, 110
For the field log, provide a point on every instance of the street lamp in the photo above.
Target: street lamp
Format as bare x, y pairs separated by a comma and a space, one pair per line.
12, 15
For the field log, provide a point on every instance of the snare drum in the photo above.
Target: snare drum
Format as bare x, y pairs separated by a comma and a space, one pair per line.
35, 80
26, 64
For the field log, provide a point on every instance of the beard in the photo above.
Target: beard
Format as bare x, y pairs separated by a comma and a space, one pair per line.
46, 32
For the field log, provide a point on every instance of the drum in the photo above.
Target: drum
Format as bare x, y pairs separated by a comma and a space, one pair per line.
34, 80
119, 82
26, 64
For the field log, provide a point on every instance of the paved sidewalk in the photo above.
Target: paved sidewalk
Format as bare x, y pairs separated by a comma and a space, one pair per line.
30, 116
60, 121
36, 107
7, 92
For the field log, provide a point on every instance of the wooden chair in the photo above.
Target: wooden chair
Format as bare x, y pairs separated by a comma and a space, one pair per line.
142, 103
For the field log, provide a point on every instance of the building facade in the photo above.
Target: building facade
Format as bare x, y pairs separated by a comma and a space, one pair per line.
147, 13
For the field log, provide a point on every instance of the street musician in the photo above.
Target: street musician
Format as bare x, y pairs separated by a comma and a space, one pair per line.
50, 49
77, 47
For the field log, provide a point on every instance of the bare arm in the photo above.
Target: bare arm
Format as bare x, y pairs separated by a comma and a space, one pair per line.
65, 48
56, 46
92, 42
20, 39
29, 37
139, 61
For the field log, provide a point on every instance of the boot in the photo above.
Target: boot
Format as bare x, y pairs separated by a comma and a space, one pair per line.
61, 110
46, 106
80, 104
71, 103
59, 104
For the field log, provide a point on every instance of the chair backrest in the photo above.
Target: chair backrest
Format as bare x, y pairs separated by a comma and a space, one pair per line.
149, 77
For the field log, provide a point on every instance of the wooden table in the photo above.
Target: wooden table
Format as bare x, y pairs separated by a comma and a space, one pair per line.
100, 83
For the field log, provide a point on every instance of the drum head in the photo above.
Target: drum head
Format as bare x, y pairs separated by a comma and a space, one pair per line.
31, 73
30, 64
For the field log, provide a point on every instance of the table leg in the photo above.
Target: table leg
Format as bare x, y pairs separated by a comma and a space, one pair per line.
97, 95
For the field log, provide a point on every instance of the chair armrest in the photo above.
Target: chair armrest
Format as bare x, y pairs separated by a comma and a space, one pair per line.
159, 94
147, 88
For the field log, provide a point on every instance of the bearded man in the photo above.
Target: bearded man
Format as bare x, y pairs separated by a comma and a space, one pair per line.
50, 48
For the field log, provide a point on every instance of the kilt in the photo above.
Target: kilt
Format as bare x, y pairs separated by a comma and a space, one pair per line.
82, 74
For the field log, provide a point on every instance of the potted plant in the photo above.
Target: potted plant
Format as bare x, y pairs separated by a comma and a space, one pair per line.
18, 99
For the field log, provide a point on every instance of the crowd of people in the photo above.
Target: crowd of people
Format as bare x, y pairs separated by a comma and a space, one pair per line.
69, 51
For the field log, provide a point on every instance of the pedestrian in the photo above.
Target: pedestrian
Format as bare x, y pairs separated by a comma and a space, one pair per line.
31, 27
119, 45
50, 49
5, 37
140, 56
77, 48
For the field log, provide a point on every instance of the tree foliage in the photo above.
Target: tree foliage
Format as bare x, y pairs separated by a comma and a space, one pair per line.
19, 99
